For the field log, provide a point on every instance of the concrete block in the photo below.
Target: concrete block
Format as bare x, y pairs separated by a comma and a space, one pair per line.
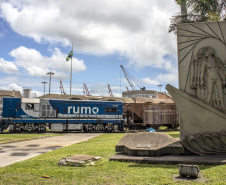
149, 144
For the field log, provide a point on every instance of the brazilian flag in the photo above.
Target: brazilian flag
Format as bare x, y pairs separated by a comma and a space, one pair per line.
70, 55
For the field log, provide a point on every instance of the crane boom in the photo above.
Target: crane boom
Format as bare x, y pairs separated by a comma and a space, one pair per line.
128, 78
131, 80
110, 92
85, 90
62, 88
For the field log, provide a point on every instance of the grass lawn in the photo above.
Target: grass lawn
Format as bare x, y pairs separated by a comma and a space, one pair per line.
173, 133
104, 171
15, 137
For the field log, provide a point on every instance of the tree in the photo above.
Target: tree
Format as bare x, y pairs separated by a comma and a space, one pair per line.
198, 11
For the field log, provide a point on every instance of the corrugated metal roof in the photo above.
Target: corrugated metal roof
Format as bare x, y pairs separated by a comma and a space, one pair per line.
16, 94
80, 97
100, 98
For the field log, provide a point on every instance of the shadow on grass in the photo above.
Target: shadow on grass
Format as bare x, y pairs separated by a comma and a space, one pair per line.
162, 166
169, 166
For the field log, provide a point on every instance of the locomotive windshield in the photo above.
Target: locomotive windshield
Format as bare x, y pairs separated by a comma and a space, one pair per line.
111, 110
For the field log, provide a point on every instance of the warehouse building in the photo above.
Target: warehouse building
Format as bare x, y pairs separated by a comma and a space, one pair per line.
140, 94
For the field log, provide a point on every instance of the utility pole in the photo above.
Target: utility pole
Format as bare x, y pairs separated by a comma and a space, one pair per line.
50, 73
70, 56
44, 86
71, 69
160, 85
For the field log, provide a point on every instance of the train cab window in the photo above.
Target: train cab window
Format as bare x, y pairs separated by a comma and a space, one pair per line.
30, 106
111, 110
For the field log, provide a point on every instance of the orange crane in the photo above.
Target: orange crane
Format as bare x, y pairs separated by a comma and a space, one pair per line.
110, 92
85, 90
62, 88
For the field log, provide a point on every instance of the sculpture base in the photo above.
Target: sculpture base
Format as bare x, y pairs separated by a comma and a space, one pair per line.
202, 127
159, 148
172, 159
149, 144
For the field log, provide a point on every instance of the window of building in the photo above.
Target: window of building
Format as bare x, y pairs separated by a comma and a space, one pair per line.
30, 106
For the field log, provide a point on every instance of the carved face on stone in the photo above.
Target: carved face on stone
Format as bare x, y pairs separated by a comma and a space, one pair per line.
208, 51
200, 53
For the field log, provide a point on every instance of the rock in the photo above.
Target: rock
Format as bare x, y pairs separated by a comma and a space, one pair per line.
62, 162
79, 160
92, 163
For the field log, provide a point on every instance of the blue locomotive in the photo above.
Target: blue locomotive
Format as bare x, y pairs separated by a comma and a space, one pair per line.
30, 114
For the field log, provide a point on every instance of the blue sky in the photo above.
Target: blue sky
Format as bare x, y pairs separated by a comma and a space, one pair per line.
36, 36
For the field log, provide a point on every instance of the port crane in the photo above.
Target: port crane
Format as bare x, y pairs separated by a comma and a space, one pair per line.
62, 88
110, 92
131, 80
85, 90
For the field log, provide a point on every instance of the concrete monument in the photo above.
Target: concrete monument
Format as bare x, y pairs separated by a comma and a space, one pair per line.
200, 100
201, 97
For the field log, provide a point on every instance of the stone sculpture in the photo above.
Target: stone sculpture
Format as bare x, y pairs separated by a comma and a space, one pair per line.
201, 97
208, 78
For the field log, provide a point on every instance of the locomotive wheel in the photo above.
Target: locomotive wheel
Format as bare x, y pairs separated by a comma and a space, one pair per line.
89, 129
41, 129
84, 129
11, 128
108, 129
17, 129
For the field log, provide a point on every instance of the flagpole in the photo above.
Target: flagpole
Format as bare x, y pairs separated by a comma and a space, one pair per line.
71, 69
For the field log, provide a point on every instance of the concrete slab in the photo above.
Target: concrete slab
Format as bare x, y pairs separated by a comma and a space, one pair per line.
178, 178
19, 151
172, 159
78, 160
149, 144
80, 157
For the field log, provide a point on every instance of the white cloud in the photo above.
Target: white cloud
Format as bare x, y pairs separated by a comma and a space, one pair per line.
12, 86
136, 29
169, 78
7, 66
37, 65
35, 94
148, 81
170, 74
16, 87
98, 90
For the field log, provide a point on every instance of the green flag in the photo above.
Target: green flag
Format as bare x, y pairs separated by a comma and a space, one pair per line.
70, 55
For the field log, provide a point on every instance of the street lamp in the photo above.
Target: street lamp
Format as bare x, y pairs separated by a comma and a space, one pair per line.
44, 86
50, 73
160, 85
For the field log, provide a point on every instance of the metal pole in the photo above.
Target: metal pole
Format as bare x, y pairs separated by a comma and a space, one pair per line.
120, 82
50, 73
44, 86
71, 70
160, 85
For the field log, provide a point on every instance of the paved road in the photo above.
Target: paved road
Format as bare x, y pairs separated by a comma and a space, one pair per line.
19, 151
